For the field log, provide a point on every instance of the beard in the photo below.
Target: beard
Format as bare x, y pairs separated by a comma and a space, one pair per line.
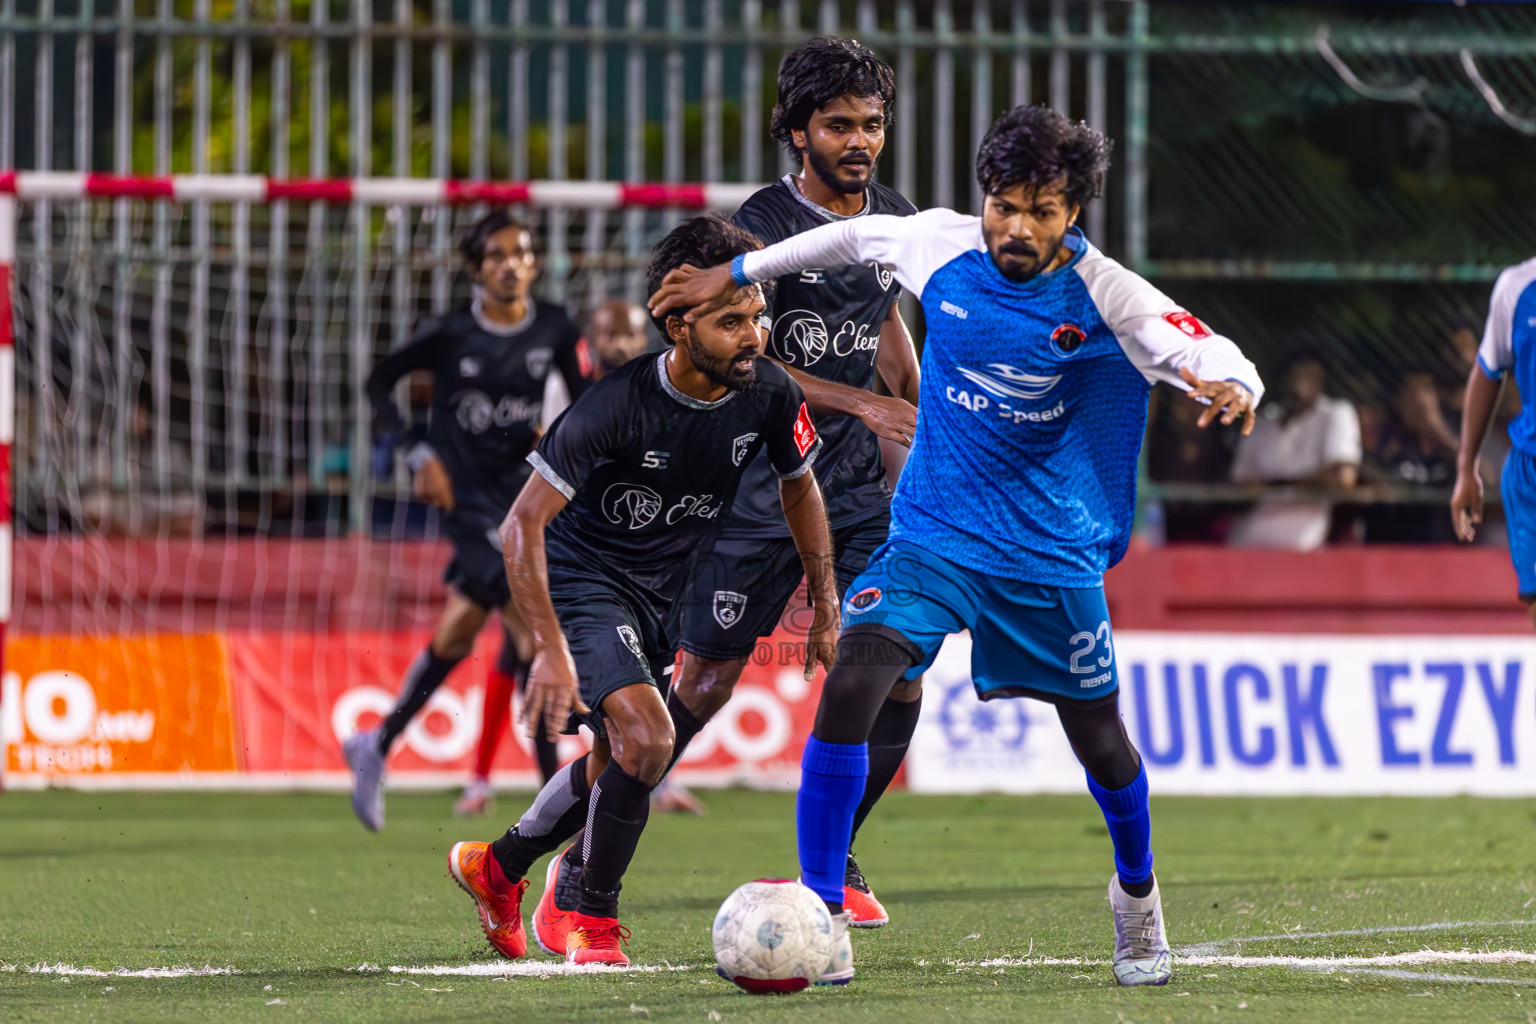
833, 174
1027, 262
724, 372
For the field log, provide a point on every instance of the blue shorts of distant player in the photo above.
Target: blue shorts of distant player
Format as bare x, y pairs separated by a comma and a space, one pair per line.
1517, 490
1028, 640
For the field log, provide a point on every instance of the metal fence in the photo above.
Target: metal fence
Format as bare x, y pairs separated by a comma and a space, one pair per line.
231, 328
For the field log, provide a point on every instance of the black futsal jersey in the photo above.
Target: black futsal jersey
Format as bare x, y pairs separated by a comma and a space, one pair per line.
650, 472
487, 396
825, 323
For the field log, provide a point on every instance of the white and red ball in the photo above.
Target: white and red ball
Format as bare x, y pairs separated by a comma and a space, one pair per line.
772, 936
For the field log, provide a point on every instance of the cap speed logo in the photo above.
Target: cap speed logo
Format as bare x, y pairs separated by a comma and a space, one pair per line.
632, 503
631, 640
728, 607
1010, 382
1188, 323
865, 599
739, 447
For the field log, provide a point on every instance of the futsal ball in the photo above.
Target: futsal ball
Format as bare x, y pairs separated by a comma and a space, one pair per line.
772, 936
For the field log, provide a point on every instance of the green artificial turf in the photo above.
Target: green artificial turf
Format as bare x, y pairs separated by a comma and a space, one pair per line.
293, 895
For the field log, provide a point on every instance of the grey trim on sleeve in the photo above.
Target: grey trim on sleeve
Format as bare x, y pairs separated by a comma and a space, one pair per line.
547, 471
805, 467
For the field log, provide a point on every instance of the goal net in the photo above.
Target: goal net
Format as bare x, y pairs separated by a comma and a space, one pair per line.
216, 575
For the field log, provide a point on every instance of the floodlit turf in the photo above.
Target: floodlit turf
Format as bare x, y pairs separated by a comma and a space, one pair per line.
290, 893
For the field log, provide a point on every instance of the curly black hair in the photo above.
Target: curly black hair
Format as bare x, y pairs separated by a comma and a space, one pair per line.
472, 247
1037, 146
697, 242
820, 71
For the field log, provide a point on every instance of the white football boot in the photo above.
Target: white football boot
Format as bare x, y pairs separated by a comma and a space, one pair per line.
1142, 956
840, 968
367, 764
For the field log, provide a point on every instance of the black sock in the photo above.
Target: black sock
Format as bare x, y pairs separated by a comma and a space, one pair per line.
422, 679
619, 808
685, 726
558, 812
545, 752
888, 742
1138, 890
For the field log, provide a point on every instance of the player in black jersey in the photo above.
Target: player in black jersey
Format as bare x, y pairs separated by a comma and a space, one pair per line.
630, 483
488, 364
832, 330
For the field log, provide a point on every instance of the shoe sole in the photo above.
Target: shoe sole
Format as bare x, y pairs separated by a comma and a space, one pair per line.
873, 923
550, 875
453, 869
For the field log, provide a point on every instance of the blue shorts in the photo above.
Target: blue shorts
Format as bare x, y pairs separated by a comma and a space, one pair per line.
1028, 640
1517, 489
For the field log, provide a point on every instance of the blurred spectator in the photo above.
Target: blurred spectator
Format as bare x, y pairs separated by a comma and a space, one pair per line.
616, 333
1179, 452
1417, 449
1464, 342
1309, 439
146, 504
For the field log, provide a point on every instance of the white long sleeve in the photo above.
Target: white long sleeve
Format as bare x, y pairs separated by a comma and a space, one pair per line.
911, 247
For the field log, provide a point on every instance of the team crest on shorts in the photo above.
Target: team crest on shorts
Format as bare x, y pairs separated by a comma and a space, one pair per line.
632, 640
728, 607
739, 447
864, 600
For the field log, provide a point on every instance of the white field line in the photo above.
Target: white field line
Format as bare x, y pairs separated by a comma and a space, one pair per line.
1308, 963
496, 969
71, 971
1439, 926
1463, 979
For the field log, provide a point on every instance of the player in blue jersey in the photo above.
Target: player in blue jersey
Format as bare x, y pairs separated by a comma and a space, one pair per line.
1509, 344
1021, 486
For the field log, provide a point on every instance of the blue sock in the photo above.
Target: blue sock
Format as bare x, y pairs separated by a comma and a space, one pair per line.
832, 777
1130, 826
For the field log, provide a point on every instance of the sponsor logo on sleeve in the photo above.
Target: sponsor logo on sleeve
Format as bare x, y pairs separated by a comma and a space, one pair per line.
469, 366
739, 447
728, 607
1188, 323
805, 432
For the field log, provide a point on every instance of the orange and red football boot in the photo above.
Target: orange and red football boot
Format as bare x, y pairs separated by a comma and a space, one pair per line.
557, 907
596, 940
498, 901
864, 911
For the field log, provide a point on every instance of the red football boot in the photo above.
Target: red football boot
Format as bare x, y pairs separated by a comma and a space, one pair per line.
864, 911
596, 940
551, 921
498, 901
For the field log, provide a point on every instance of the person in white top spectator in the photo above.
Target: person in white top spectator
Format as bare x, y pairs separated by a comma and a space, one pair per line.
1310, 440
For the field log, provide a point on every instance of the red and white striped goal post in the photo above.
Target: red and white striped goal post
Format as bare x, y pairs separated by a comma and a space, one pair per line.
255, 188
258, 189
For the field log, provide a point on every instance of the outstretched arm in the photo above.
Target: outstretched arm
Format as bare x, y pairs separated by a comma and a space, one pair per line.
552, 689
1467, 499
807, 519
912, 247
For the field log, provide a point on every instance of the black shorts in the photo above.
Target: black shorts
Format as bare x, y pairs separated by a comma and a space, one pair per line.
476, 570
616, 637
738, 591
